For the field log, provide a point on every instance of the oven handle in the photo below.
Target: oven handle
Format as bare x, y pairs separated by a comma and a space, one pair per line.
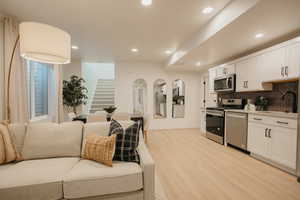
214, 114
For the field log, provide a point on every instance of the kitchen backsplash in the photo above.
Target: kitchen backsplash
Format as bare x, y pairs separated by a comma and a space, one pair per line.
275, 97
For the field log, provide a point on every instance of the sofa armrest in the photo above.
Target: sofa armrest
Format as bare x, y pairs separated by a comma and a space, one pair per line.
148, 167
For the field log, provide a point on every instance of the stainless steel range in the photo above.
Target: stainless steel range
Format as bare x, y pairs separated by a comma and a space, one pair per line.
215, 118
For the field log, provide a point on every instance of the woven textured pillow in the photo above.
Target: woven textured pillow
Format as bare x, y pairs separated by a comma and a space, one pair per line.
127, 141
99, 148
8, 151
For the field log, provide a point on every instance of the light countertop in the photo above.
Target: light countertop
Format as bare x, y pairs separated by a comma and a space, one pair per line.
267, 113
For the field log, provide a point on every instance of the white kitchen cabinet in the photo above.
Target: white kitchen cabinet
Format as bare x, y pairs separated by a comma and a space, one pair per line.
282, 63
274, 139
292, 65
257, 142
249, 75
225, 70
212, 73
273, 62
283, 146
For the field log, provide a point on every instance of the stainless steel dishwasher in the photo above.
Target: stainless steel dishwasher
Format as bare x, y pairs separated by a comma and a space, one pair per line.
236, 129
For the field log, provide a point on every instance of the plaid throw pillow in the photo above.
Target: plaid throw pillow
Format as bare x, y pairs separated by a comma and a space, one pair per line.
127, 141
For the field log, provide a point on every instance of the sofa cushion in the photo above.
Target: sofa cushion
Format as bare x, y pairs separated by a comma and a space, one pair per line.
18, 132
34, 179
88, 178
49, 140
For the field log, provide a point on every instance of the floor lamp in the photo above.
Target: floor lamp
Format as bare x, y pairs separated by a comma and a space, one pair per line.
41, 43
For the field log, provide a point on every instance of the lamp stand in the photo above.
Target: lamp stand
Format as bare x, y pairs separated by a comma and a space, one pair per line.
8, 110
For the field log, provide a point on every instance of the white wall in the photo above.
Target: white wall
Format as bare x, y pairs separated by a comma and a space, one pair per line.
91, 72
74, 68
128, 72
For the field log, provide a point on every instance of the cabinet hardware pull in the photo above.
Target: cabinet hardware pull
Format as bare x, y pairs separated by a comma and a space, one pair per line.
258, 119
266, 132
246, 84
269, 133
286, 71
279, 122
282, 71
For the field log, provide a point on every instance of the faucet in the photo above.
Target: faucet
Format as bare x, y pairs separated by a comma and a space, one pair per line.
294, 95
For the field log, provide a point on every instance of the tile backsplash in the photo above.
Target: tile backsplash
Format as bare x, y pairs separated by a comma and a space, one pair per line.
275, 97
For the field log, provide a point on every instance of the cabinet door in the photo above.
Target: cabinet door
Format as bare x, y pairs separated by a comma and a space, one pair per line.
292, 61
283, 146
257, 142
225, 69
273, 63
212, 76
248, 75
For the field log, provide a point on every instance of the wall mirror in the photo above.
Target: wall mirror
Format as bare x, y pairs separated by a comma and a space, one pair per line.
139, 97
160, 99
178, 101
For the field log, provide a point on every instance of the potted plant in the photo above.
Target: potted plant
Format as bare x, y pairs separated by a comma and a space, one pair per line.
261, 103
74, 93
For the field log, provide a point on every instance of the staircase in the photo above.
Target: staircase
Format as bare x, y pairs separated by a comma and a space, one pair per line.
104, 95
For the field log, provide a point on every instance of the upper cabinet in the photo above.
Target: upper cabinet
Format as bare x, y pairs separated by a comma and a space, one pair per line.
258, 71
249, 75
282, 63
224, 70
212, 73
293, 60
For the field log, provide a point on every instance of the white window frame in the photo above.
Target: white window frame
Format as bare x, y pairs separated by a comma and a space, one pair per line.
31, 98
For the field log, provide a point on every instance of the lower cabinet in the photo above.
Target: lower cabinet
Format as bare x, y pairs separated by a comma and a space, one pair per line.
266, 138
283, 146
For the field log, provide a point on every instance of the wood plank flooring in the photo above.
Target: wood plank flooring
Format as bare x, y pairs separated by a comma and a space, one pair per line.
191, 167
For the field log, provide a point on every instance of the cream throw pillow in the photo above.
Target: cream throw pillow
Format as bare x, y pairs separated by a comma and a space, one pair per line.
100, 148
8, 151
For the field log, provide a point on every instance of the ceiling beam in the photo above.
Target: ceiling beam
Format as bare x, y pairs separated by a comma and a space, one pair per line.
230, 13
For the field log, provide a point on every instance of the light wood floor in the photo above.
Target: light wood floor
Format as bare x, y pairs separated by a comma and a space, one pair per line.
191, 167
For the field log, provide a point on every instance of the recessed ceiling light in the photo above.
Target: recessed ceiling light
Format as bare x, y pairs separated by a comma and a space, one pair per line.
75, 47
198, 64
146, 2
259, 35
207, 10
134, 50
168, 52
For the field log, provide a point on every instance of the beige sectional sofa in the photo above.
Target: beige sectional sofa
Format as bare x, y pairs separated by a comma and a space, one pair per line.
52, 168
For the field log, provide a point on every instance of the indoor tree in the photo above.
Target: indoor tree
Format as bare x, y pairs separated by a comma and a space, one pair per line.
74, 93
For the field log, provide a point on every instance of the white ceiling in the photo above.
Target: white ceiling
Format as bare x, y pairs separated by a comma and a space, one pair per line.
106, 30
279, 20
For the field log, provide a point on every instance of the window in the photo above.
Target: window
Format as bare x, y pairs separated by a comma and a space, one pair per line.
38, 90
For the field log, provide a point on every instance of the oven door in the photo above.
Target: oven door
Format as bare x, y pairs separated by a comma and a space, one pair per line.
215, 127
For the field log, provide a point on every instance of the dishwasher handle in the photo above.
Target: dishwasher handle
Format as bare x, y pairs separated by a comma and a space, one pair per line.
237, 116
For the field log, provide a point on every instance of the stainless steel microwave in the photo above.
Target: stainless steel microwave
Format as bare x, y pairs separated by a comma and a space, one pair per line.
225, 83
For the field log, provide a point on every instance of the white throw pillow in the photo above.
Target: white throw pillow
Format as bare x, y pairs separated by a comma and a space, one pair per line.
50, 140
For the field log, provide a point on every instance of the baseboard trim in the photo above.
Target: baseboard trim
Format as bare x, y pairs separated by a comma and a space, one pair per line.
274, 164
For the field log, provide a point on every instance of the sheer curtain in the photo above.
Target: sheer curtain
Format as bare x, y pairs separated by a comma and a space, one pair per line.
18, 91
55, 94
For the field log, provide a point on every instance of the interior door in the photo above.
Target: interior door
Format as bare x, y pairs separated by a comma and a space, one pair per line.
283, 146
293, 61
256, 139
